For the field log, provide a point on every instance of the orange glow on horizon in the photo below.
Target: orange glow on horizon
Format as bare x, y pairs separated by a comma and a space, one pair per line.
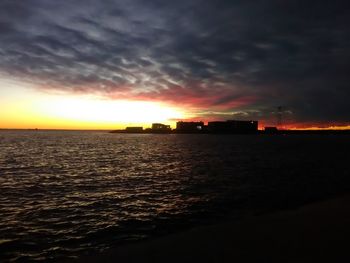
22, 106
26, 108
315, 128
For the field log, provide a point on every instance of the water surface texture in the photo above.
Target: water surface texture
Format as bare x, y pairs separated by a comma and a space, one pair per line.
64, 194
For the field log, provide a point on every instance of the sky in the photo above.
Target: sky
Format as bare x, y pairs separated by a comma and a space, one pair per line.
114, 63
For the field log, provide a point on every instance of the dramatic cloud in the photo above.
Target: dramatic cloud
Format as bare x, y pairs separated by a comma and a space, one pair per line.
219, 57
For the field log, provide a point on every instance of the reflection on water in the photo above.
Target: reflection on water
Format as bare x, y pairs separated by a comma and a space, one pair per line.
63, 194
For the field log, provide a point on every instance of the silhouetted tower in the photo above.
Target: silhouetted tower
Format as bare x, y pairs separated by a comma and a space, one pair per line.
279, 116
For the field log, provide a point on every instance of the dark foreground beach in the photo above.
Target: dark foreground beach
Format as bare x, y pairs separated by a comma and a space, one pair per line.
318, 232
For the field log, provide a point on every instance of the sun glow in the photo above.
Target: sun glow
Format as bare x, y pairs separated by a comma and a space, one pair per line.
109, 111
25, 107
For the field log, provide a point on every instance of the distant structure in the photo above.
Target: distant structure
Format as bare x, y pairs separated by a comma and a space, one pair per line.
232, 126
279, 116
189, 127
198, 127
271, 130
134, 129
160, 128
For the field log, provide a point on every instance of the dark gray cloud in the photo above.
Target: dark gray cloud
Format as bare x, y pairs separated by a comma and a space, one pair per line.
244, 57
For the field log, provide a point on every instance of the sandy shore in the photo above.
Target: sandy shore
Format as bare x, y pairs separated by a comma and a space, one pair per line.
318, 232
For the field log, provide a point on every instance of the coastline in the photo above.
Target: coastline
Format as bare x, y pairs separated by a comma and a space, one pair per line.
257, 132
316, 232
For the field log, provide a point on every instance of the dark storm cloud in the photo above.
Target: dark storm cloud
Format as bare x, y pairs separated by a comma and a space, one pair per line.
245, 57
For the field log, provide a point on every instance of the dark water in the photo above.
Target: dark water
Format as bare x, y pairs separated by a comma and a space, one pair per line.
65, 194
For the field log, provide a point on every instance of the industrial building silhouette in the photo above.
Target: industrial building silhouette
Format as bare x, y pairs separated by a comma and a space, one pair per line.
215, 127
233, 126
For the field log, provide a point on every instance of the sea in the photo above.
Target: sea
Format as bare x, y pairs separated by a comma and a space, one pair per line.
68, 194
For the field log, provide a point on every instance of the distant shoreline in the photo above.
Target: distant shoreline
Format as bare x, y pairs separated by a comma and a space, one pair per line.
261, 132
77, 130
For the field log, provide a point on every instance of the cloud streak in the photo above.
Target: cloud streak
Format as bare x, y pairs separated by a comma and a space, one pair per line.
227, 56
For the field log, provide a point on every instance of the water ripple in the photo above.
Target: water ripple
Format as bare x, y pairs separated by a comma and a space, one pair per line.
64, 194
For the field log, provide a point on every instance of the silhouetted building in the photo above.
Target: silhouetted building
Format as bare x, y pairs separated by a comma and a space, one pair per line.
189, 127
271, 130
160, 128
134, 129
233, 126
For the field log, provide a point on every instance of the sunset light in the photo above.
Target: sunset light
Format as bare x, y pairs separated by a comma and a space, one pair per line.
110, 112
24, 107
174, 131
